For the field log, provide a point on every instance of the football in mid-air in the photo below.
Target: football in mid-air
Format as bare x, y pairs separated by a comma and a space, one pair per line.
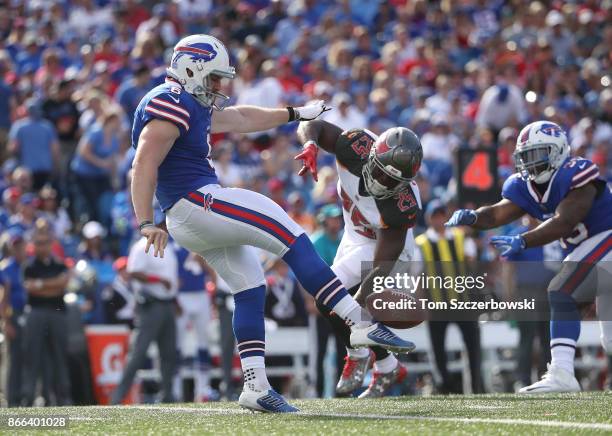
395, 309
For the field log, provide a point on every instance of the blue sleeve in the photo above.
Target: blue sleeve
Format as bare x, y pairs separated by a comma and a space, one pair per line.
576, 173
94, 137
14, 131
168, 106
514, 190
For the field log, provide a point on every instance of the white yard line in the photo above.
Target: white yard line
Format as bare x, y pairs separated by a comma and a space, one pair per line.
508, 421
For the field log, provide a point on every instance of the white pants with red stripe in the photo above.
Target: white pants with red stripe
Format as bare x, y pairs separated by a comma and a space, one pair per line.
224, 224
587, 275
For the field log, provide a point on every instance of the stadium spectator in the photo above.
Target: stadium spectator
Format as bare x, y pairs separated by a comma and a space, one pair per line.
44, 334
62, 111
33, 141
501, 105
438, 146
296, 209
93, 166
228, 172
12, 310
155, 281
346, 115
118, 298
7, 101
131, 91
53, 212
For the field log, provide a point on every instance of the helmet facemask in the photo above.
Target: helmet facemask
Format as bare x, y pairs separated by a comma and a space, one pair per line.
206, 95
534, 162
380, 182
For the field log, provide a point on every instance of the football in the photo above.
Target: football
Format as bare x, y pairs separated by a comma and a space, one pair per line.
395, 309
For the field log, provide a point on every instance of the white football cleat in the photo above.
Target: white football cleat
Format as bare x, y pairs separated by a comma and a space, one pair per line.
554, 380
379, 334
264, 401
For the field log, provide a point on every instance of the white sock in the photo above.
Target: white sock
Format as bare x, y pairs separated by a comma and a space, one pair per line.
350, 311
563, 351
202, 383
386, 365
357, 353
254, 370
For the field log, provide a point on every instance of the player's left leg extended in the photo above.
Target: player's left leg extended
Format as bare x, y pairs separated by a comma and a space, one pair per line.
574, 285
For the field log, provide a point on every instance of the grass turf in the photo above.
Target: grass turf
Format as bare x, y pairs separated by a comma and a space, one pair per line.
585, 413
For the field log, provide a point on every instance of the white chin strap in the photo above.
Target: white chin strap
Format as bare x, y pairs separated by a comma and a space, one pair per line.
376, 189
544, 176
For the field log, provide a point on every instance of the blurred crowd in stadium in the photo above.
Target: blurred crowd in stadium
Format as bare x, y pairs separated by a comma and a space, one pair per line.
461, 74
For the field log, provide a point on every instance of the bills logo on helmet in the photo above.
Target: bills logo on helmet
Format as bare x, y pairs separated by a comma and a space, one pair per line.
525, 136
551, 130
198, 52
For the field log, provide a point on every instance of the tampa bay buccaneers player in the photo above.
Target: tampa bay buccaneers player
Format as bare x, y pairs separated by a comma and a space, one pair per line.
380, 203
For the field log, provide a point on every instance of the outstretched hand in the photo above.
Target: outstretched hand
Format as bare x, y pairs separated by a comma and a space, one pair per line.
462, 217
508, 245
308, 156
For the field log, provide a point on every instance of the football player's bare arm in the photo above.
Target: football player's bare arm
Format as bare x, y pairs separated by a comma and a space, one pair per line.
390, 243
322, 133
245, 119
154, 143
571, 211
499, 214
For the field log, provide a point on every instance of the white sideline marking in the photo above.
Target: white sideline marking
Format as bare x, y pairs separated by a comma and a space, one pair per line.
508, 421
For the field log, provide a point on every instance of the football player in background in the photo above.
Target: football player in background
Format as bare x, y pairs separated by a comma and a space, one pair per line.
171, 132
194, 302
574, 204
380, 203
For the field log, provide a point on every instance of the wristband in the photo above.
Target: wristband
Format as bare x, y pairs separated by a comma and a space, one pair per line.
144, 224
310, 141
294, 114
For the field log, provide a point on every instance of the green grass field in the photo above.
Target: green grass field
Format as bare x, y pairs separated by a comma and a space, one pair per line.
586, 413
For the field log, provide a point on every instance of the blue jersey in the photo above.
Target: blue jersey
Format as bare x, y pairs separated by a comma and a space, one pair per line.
574, 173
12, 274
186, 167
192, 276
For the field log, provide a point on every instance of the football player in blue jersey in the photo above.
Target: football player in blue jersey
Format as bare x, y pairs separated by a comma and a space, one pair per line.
574, 204
171, 132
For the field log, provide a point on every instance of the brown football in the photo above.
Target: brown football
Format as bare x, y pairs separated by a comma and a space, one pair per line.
395, 309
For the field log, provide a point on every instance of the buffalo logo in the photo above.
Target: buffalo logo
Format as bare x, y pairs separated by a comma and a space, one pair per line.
405, 201
525, 136
197, 52
208, 201
551, 130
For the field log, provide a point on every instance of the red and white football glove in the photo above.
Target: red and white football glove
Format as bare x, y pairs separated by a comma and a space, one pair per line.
308, 156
